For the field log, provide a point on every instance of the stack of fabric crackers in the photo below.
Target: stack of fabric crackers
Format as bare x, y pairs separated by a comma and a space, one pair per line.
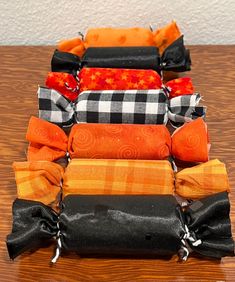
118, 158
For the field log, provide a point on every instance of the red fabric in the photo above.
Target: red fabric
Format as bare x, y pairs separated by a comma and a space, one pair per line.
58, 80
118, 79
180, 86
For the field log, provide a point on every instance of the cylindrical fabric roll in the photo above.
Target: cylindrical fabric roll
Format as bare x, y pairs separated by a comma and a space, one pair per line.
39, 181
122, 225
136, 225
122, 57
119, 141
130, 106
118, 79
84, 176
202, 180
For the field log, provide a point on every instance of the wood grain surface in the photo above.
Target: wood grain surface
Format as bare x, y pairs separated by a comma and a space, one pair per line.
22, 69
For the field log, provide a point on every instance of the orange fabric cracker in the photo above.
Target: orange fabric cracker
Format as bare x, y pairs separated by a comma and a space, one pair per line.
119, 141
38, 181
103, 176
115, 37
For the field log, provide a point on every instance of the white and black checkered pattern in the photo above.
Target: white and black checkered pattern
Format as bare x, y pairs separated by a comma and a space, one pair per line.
123, 106
185, 108
54, 107
118, 106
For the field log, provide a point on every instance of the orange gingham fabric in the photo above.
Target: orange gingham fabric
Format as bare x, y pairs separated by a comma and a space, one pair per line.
89, 176
38, 181
202, 180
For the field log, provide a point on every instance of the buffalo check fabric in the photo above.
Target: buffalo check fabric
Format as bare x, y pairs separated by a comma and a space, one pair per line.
118, 106
131, 106
55, 107
185, 108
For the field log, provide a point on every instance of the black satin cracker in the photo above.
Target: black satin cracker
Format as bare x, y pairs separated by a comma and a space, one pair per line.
175, 58
125, 225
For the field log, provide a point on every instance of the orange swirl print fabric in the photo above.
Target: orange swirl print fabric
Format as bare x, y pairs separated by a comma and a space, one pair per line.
39, 181
119, 141
48, 142
118, 79
190, 142
122, 37
107, 176
202, 180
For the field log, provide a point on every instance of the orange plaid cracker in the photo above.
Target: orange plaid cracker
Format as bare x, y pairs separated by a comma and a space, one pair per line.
202, 180
38, 181
110, 176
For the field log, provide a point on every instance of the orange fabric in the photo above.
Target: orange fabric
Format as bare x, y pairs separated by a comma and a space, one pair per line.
38, 181
73, 45
180, 86
114, 37
119, 141
202, 180
102, 176
190, 142
165, 36
48, 142
118, 79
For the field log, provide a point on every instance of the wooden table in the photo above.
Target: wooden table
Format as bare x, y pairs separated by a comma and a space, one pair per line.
22, 69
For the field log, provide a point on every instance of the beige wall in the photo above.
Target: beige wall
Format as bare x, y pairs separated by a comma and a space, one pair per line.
36, 22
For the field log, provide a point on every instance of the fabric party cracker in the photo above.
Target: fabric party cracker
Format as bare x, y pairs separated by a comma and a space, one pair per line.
115, 79
49, 142
137, 225
175, 58
111, 177
39, 181
120, 37
119, 106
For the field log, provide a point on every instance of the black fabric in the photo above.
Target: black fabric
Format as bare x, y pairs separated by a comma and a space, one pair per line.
209, 220
121, 225
33, 224
125, 225
175, 58
122, 57
65, 62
